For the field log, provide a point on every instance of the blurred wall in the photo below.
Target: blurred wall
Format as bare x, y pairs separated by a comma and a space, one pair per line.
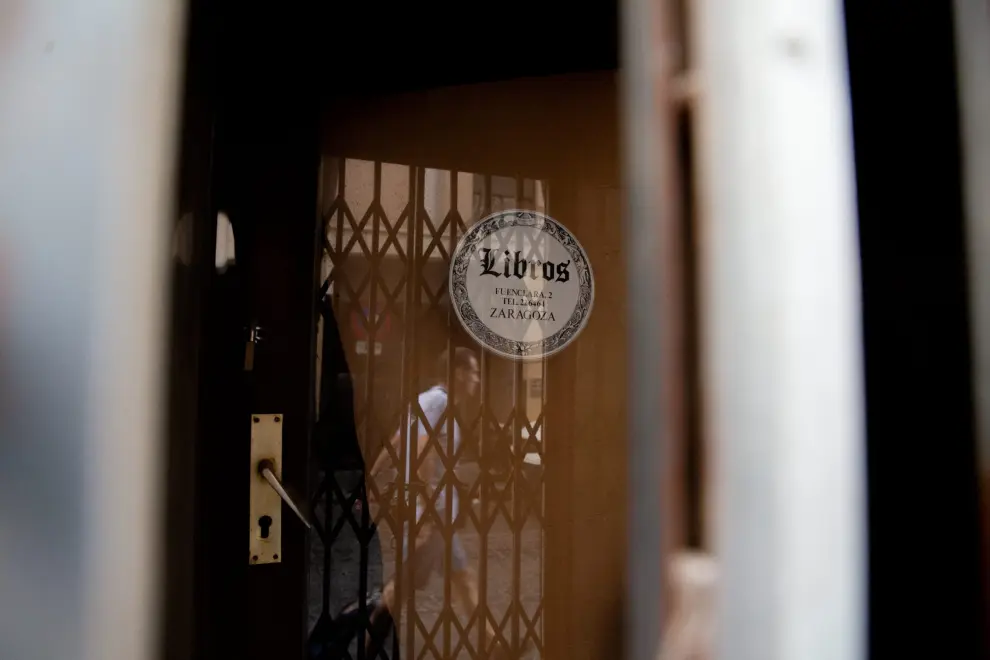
87, 118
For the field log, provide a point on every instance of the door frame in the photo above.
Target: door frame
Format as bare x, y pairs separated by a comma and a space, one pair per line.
255, 109
295, 237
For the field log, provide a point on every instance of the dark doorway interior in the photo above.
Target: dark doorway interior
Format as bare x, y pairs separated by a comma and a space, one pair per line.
924, 546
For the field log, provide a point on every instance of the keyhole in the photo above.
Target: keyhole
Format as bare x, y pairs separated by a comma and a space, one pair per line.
265, 523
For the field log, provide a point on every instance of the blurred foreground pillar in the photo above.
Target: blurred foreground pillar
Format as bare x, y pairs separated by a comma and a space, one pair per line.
87, 112
782, 341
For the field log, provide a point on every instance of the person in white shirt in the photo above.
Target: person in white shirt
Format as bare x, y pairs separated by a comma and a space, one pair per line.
424, 470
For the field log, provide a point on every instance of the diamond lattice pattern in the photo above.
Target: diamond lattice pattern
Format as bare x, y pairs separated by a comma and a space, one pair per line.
390, 231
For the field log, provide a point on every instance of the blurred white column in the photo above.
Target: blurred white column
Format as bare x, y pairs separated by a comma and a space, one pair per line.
782, 330
87, 124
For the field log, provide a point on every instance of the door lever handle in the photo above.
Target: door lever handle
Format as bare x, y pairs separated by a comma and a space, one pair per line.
266, 468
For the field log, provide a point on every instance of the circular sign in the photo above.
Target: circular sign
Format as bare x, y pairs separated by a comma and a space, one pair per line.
521, 284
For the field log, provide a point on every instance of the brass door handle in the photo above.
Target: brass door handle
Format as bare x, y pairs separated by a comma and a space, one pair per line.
266, 468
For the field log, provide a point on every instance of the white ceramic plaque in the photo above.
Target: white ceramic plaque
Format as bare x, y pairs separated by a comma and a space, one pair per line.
521, 284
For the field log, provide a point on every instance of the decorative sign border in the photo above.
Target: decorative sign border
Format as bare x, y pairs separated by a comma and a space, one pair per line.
481, 333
